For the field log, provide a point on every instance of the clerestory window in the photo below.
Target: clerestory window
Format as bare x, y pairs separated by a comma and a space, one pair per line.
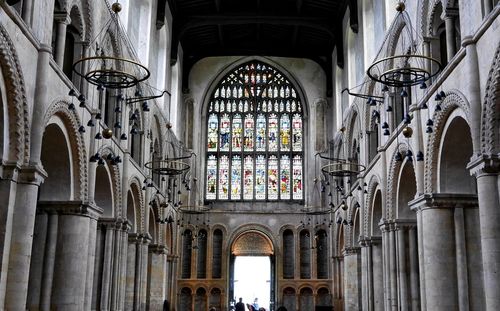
254, 137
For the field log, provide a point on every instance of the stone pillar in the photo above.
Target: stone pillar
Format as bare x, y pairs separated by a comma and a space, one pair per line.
366, 274
488, 6
62, 21
385, 227
91, 253
144, 272
437, 212
49, 261
123, 265
107, 269
401, 254
116, 254
27, 12
461, 253
393, 286
138, 273
377, 274
486, 171
449, 22
414, 273
320, 106
156, 271
72, 255
130, 279
352, 286
23, 223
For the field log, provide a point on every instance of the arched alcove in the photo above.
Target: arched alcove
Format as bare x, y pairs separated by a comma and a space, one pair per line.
217, 241
289, 298
288, 254
306, 299
187, 244
322, 258
305, 254
185, 299
456, 152
200, 300
407, 187
131, 212
56, 160
201, 259
152, 226
104, 190
323, 297
376, 214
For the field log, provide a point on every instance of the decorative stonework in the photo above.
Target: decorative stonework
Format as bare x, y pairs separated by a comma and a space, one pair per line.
17, 104
252, 243
392, 180
372, 187
77, 141
429, 17
490, 135
454, 99
135, 187
116, 179
88, 8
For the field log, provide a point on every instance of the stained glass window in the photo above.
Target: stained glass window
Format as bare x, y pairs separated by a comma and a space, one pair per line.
254, 137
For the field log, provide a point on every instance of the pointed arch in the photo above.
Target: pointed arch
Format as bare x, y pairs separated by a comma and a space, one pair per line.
490, 121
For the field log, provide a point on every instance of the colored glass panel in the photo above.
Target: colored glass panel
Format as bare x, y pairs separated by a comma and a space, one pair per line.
285, 177
273, 133
249, 133
213, 125
211, 177
261, 133
224, 132
297, 132
285, 133
236, 178
223, 177
237, 131
248, 178
297, 177
272, 178
260, 177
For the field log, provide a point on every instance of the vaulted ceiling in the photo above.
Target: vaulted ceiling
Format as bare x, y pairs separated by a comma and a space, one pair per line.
288, 28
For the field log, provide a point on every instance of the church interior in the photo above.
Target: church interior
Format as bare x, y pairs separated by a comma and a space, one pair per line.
302, 155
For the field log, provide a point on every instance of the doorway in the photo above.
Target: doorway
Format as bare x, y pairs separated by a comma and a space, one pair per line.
252, 270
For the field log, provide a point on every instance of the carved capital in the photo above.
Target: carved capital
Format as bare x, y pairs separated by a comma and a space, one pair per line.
484, 165
62, 18
77, 208
9, 171
443, 201
157, 249
355, 250
32, 174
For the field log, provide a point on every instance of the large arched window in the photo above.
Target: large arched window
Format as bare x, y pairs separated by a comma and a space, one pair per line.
254, 137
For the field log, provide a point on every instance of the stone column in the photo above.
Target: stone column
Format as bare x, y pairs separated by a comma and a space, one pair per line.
488, 6
401, 254
144, 272
49, 261
62, 21
156, 269
393, 286
320, 106
107, 269
27, 12
449, 21
414, 273
439, 257
131, 268
23, 223
123, 265
461, 253
138, 273
377, 274
72, 255
486, 171
116, 254
366, 274
352, 286
385, 227
93, 240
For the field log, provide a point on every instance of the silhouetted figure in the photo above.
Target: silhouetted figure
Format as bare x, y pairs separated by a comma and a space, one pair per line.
240, 306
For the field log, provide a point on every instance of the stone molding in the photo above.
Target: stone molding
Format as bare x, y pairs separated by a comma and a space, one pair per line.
17, 103
62, 18
443, 201
372, 187
77, 208
9, 171
33, 174
366, 241
489, 121
353, 250
116, 180
484, 165
454, 100
392, 179
157, 249
76, 139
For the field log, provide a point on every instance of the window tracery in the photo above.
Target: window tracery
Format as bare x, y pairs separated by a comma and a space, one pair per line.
254, 137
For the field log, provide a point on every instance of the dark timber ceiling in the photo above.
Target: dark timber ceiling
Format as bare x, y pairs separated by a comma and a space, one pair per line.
288, 28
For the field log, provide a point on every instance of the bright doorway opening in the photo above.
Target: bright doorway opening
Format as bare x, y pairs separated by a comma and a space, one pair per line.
252, 279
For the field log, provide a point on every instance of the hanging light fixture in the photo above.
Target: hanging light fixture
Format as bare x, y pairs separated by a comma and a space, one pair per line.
113, 63
409, 66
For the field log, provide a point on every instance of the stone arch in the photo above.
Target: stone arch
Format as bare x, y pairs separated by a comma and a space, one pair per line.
72, 122
490, 121
392, 180
353, 126
452, 175
88, 17
406, 189
353, 216
135, 189
454, 100
244, 243
75, 13
373, 187
115, 179
15, 105
152, 225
